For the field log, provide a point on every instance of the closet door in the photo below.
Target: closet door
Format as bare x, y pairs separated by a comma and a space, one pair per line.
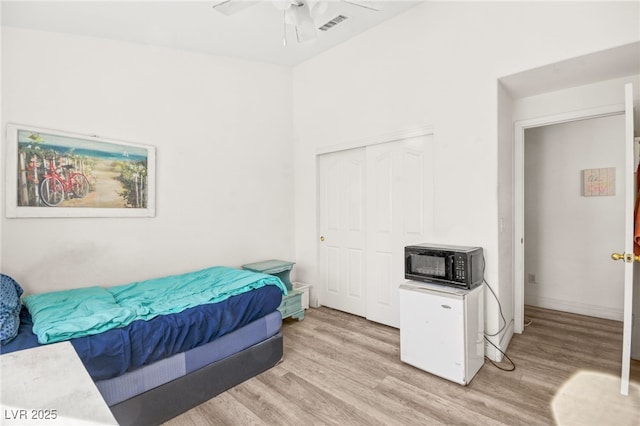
399, 213
341, 226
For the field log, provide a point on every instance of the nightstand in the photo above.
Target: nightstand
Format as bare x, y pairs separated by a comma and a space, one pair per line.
291, 305
279, 268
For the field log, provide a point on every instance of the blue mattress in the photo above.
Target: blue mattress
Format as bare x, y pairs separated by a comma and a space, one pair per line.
115, 352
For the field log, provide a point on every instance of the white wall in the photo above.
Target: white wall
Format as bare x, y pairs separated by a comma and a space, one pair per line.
223, 133
438, 65
505, 212
585, 97
569, 237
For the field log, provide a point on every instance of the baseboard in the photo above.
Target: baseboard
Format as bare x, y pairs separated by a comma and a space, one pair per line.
576, 308
314, 299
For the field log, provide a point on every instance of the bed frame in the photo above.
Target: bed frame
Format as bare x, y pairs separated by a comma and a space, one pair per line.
167, 401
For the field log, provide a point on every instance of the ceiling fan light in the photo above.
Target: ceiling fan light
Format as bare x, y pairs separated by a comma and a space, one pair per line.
305, 27
289, 17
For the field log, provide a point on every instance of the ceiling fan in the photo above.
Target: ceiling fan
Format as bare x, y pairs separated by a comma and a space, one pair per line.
298, 13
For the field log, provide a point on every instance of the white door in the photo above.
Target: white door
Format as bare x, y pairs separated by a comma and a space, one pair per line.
399, 213
341, 191
628, 256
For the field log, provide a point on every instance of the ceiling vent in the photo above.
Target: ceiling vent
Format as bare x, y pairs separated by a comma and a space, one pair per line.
332, 23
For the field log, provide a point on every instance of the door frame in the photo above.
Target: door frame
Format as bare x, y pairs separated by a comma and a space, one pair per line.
518, 208
374, 140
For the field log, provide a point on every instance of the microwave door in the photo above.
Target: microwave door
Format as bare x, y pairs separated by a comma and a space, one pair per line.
430, 266
450, 267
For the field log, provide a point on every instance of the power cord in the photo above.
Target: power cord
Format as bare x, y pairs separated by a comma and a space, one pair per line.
504, 321
513, 365
504, 325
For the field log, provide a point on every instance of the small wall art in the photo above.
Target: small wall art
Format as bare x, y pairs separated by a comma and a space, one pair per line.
599, 182
59, 174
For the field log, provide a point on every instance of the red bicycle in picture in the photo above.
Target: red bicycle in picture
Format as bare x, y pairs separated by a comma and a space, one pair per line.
55, 186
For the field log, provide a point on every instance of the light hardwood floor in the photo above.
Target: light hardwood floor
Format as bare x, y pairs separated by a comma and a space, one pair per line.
342, 369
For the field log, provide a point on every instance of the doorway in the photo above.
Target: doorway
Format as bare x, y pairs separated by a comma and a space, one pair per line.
574, 210
519, 194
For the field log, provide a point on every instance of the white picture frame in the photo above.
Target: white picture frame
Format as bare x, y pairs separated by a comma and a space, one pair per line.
86, 176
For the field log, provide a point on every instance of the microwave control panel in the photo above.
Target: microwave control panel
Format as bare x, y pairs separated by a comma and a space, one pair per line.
459, 268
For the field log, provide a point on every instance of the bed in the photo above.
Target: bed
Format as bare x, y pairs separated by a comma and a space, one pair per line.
173, 346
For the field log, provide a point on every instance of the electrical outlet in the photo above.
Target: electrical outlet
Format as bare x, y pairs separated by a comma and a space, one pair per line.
531, 279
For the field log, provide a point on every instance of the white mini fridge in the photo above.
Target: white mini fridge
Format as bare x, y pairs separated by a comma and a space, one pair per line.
442, 330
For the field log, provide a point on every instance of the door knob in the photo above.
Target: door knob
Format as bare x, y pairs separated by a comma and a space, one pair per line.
322, 238
627, 257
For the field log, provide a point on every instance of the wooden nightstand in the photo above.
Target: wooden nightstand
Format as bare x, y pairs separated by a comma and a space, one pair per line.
291, 305
279, 268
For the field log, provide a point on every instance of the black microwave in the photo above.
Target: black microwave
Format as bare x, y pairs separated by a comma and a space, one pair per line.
455, 266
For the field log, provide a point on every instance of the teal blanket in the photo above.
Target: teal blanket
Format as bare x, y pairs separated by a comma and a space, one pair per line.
68, 314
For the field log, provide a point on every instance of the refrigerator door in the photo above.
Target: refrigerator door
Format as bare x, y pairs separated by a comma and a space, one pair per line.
432, 332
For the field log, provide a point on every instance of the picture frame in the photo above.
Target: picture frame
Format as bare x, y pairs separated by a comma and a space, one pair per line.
51, 173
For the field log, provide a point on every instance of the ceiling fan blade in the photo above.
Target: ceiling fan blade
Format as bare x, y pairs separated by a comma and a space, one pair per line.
231, 7
301, 16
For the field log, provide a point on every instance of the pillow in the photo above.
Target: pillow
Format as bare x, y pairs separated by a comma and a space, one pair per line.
78, 312
10, 305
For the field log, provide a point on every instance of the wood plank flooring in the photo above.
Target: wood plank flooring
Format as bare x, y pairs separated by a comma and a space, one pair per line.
344, 370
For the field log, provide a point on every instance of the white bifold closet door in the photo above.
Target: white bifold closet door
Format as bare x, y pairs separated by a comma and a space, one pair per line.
341, 267
373, 201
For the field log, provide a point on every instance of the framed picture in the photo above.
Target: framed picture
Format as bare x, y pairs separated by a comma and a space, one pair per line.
58, 174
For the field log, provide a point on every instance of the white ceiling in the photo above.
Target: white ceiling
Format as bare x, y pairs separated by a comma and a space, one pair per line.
255, 33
